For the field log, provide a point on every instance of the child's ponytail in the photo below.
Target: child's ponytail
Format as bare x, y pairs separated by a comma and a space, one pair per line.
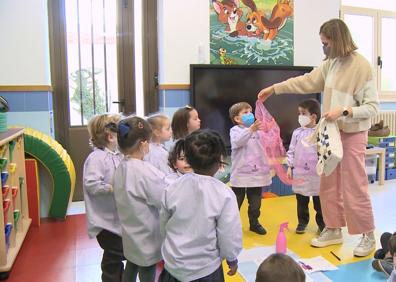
132, 131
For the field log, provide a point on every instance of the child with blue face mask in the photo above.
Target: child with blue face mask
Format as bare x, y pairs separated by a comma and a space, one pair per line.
250, 171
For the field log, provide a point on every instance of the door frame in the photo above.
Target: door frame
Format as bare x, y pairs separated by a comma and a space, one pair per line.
78, 149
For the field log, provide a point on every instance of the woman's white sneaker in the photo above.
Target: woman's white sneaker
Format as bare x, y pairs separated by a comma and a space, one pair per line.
329, 236
365, 246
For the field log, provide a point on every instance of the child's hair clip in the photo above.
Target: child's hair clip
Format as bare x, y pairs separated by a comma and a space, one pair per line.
123, 129
188, 107
140, 125
112, 126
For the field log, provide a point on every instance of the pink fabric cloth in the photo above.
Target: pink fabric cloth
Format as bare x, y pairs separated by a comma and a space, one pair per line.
344, 196
272, 143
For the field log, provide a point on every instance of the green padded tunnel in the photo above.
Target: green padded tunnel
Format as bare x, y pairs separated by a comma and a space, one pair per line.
57, 161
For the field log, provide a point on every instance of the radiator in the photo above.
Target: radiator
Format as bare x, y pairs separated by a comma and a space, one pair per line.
389, 118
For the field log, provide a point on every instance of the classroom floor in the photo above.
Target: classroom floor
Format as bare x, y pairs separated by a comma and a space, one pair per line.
60, 251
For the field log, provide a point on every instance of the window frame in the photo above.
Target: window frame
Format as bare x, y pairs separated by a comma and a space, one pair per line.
377, 14
126, 66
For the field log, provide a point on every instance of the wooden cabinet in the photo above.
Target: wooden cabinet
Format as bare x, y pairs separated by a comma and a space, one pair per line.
14, 216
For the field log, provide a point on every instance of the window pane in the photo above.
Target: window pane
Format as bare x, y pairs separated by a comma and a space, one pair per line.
110, 34
388, 78
91, 58
138, 58
362, 30
73, 62
100, 105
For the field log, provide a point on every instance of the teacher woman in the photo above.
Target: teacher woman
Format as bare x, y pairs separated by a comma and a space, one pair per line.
350, 98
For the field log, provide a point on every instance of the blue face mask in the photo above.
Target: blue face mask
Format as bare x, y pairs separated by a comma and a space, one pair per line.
248, 119
326, 50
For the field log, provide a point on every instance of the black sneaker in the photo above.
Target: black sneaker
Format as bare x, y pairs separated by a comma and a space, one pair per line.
258, 228
301, 229
383, 265
379, 254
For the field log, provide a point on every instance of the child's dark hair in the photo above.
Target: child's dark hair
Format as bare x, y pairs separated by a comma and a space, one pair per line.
279, 268
174, 155
131, 131
312, 106
179, 122
392, 244
203, 149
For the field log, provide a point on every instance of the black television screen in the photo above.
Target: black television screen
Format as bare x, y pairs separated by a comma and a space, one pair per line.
215, 88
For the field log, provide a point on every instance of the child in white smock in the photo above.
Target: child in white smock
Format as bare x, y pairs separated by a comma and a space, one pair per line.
102, 217
199, 216
138, 188
302, 159
162, 132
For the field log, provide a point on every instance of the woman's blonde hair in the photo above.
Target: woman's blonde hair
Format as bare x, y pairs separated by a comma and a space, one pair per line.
338, 33
99, 128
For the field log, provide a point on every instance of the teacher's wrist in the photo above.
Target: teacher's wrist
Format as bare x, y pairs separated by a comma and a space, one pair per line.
347, 111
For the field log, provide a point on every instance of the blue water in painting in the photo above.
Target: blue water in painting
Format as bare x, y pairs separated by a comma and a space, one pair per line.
244, 50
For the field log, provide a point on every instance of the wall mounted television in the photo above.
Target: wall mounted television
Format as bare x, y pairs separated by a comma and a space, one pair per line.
215, 88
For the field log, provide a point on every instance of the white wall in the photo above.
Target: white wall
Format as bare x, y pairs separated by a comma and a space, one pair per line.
24, 47
308, 17
183, 27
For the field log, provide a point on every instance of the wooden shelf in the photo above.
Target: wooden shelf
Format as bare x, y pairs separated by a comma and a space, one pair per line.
12, 149
13, 251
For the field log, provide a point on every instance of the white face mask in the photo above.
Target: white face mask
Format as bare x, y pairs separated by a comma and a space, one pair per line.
304, 120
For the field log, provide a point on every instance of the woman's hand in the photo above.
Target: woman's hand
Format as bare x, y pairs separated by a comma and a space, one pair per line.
265, 93
334, 114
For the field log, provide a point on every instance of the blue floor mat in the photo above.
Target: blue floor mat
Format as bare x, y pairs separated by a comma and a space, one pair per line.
358, 271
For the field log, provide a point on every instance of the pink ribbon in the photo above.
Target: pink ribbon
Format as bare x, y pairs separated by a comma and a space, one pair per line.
271, 141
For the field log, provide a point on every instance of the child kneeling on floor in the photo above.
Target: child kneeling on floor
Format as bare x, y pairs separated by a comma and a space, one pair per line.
384, 258
279, 268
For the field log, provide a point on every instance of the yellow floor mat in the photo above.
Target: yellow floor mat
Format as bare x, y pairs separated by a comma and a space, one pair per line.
274, 211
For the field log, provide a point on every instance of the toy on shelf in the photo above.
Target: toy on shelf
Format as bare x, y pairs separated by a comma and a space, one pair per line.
5, 190
3, 163
6, 207
3, 114
4, 177
12, 168
11, 146
8, 229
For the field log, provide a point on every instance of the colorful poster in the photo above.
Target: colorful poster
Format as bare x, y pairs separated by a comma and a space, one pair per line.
251, 32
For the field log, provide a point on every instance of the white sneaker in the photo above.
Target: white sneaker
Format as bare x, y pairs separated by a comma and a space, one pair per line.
365, 247
328, 237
